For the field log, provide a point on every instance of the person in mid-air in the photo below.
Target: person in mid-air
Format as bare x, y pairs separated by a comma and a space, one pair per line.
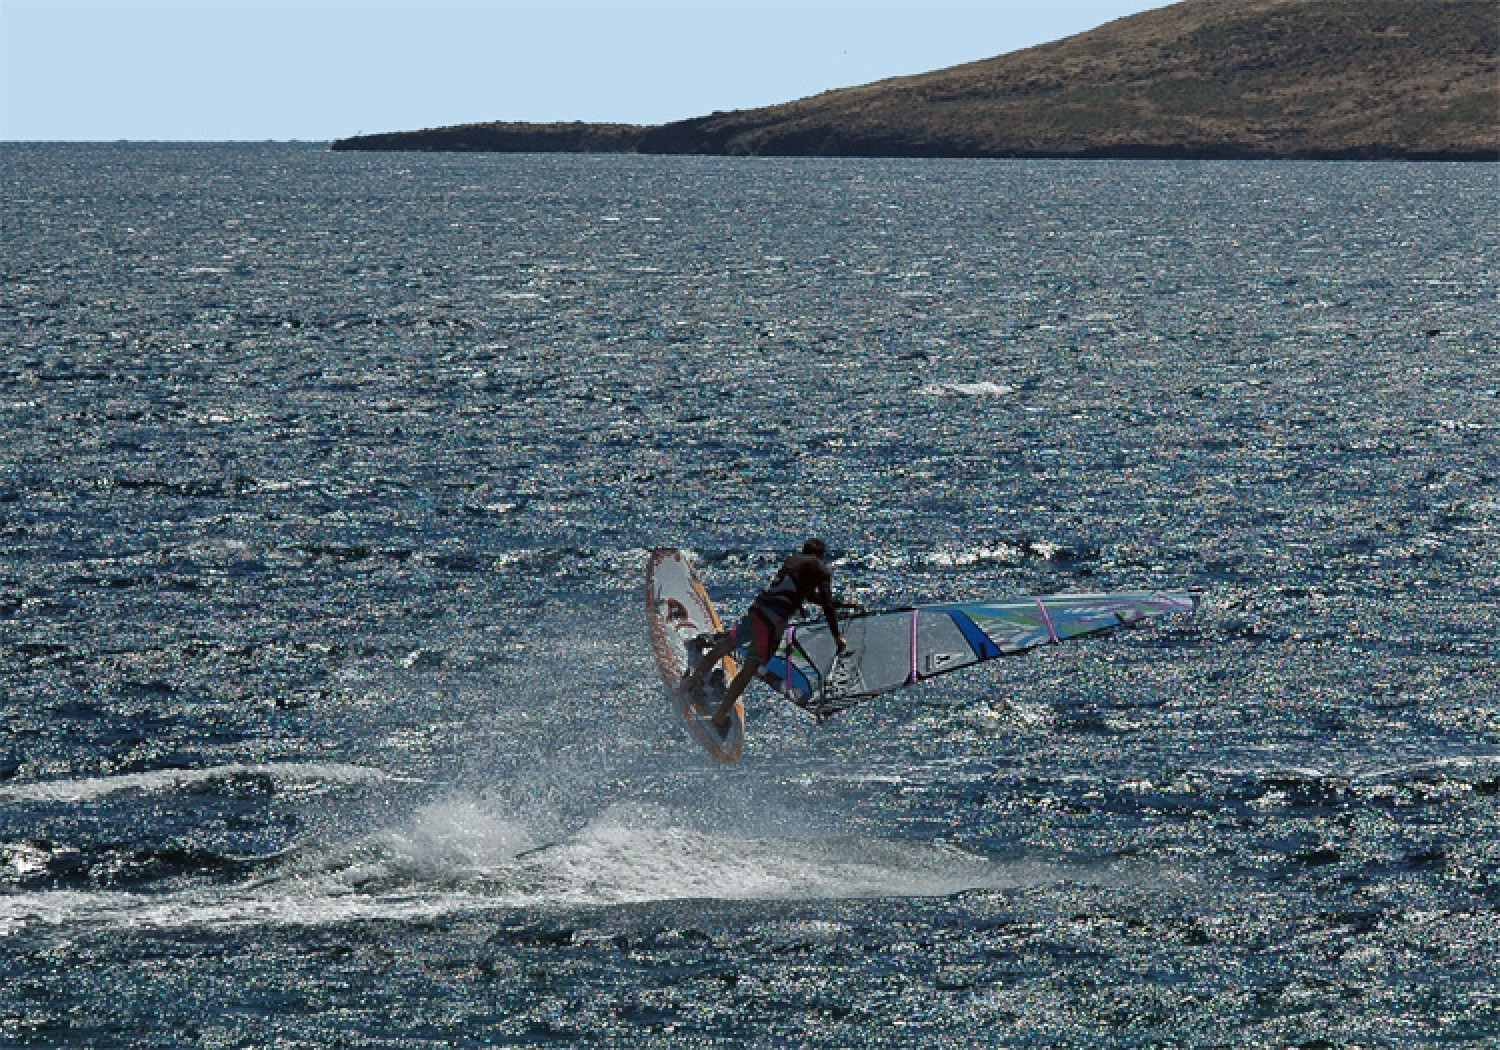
802, 578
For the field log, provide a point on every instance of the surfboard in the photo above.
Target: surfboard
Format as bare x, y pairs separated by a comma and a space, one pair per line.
681, 617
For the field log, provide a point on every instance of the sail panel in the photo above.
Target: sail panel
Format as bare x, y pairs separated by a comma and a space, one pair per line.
947, 641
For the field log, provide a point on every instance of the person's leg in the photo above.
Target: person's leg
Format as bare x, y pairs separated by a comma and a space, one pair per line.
763, 641
734, 692
693, 680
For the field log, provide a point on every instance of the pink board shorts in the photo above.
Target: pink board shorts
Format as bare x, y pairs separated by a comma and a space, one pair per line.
758, 634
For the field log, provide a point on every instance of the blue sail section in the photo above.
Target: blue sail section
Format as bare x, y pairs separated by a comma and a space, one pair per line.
983, 647
785, 676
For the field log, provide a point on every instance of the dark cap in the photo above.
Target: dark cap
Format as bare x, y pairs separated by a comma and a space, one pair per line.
816, 547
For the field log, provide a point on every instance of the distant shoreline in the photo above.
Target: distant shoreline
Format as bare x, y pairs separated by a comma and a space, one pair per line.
333, 145
421, 142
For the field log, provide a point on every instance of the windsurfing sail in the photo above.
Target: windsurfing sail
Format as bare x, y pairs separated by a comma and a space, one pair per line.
900, 647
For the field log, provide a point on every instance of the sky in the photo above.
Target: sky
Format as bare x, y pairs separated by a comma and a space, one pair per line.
313, 70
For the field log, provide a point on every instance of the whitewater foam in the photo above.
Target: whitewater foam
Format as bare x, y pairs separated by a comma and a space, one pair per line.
456, 857
87, 789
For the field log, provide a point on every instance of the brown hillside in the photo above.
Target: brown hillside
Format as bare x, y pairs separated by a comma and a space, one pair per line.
1209, 78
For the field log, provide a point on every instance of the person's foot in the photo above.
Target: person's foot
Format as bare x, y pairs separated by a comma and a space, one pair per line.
692, 692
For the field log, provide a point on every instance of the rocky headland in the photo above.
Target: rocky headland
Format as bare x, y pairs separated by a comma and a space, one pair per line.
1275, 79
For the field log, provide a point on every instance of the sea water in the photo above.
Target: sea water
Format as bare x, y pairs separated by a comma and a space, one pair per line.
327, 716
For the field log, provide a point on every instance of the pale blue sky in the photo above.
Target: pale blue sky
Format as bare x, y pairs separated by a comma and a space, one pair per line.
320, 69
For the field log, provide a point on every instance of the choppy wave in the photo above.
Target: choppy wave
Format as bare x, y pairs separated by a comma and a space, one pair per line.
383, 493
981, 388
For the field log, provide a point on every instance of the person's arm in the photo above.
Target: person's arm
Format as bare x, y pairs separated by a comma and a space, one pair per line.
831, 614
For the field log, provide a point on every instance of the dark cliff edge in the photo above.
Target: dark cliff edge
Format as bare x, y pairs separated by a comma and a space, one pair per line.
1203, 79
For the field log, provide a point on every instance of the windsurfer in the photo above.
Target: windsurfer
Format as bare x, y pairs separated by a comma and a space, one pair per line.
802, 578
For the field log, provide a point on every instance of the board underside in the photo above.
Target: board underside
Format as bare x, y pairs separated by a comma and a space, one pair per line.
680, 613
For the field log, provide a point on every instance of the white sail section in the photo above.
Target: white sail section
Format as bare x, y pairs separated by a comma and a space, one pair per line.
900, 647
